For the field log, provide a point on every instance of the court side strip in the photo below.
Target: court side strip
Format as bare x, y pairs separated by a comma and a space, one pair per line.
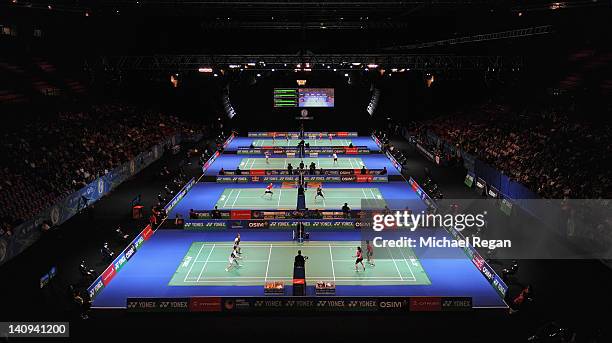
206, 262
268, 265
237, 196
228, 197
331, 256
398, 271
194, 262
407, 264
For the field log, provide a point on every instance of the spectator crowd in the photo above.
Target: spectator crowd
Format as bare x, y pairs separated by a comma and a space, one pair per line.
549, 151
49, 159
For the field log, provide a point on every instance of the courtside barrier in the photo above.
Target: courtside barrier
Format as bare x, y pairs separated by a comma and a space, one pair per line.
217, 153
495, 280
179, 195
109, 273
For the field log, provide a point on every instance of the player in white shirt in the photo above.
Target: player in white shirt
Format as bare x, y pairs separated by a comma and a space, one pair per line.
233, 260
237, 244
267, 154
335, 158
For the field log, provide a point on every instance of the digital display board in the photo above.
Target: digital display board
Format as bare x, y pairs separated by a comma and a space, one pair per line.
315, 97
303, 97
285, 97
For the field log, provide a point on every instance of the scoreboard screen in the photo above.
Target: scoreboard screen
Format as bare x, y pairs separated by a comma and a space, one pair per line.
303, 97
285, 97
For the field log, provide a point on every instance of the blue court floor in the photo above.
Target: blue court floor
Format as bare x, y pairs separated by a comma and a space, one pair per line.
150, 270
204, 195
246, 141
231, 161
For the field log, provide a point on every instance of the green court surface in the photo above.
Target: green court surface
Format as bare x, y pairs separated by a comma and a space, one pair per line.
281, 163
336, 197
294, 142
205, 264
286, 198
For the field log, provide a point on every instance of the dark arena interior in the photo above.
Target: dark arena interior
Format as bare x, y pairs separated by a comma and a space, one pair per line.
364, 170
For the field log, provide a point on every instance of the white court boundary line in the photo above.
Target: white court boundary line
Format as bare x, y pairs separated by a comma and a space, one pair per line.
396, 267
407, 264
331, 256
250, 279
237, 196
268, 265
228, 197
194, 261
206, 263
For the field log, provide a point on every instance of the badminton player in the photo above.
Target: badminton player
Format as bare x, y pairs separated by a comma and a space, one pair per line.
359, 260
269, 190
370, 253
319, 193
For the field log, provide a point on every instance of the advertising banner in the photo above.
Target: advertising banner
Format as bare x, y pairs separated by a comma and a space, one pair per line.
299, 304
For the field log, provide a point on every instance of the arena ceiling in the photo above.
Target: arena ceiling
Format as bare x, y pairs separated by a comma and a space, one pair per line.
309, 14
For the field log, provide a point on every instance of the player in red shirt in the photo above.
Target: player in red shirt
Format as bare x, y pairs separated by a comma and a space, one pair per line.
330, 137
269, 190
359, 256
370, 253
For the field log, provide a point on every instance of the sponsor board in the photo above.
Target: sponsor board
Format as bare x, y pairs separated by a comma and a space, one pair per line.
216, 224
299, 304
158, 304
119, 262
500, 287
95, 287
108, 274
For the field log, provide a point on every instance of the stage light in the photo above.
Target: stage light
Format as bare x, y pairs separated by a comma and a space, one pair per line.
346, 74
205, 70
335, 69
372, 66
215, 74
273, 69
251, 64
233, 66
258, 75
